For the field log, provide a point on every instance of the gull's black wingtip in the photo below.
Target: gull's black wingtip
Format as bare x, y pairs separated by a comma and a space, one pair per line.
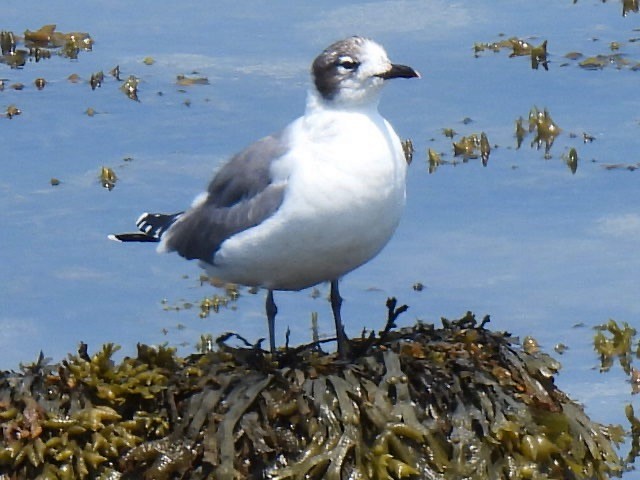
152, 226
132, 237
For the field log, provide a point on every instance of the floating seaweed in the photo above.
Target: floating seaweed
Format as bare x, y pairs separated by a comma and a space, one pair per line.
571, 159
458, 401
130, 87
467, 147
407, 149
96, 80
598, 62
622, 166
185, 81
473, 146
520, 132
15, 59
627, 6
617, 342
70, 44
108, 178
434, 159
485, 149
449, 132
613, 341
617, 59
539, 56
519, 48
7, 42
546, 130
634, 451
209, 304
12, 111
115, 72
560, 348
39, 44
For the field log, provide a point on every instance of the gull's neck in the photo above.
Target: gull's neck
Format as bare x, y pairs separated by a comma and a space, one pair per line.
317, 104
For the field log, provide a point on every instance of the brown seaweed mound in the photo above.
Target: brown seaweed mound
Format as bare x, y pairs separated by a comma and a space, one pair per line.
454, 402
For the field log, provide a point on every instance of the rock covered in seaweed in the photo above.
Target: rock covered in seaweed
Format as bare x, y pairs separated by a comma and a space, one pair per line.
422, 402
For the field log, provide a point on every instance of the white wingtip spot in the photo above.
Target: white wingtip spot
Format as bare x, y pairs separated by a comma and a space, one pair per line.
114, 238
142, 218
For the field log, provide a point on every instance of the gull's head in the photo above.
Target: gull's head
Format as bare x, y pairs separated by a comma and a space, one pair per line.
352, 72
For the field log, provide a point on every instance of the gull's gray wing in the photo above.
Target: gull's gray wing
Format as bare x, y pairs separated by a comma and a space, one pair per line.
240, 196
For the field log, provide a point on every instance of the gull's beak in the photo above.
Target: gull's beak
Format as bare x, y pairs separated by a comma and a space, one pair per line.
399, 71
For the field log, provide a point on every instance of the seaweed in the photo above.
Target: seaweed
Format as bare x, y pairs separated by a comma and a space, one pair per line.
458, 401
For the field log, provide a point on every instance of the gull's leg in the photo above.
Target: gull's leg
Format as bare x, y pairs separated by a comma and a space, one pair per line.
336, 303
272, 310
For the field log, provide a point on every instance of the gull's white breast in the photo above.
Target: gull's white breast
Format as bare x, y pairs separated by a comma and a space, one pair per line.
345, 176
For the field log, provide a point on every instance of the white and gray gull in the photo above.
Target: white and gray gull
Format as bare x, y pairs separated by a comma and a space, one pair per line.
308, 204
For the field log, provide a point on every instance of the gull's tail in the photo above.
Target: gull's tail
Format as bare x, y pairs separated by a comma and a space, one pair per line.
152, 226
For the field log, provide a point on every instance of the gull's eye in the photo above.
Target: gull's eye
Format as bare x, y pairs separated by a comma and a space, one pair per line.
347, 63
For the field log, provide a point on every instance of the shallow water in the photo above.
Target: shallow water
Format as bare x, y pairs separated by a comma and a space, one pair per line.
538, 248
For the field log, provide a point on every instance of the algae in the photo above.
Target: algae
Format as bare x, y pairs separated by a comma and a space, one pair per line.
458, 401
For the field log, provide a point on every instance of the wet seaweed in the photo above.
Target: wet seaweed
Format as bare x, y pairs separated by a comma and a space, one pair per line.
631, 167
186, 81
470, 147
408, 150
616, 343
12, 111
459, 401
571, 159
47, 42
130, 87
539, 56
473, 146
108, 178
538, 123
434, 160
519, 48
542, 126
628, 6
42, 44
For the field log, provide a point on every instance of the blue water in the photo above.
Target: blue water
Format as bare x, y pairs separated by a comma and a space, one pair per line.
538, 248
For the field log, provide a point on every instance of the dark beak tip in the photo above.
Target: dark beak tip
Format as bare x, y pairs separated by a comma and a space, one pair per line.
400, 71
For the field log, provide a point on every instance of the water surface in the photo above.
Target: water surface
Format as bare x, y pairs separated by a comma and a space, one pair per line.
538, 248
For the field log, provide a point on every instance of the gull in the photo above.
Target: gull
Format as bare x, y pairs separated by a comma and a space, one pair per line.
308, 204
